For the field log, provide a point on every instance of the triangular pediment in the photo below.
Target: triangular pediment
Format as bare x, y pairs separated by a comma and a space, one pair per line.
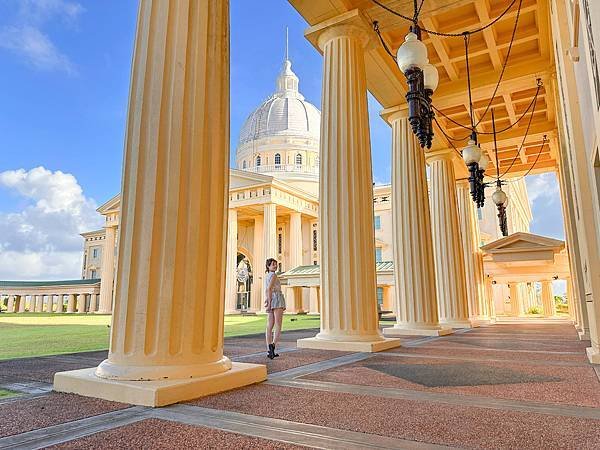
114, 204
241, 179
522, 241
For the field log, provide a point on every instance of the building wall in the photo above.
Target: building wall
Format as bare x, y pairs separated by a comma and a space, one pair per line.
93, 247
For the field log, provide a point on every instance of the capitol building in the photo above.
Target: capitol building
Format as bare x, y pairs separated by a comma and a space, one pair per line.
273, 212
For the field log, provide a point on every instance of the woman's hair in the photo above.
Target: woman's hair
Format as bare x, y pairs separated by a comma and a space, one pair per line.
268, 263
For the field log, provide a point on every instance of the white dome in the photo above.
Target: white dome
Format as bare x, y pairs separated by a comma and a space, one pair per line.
285, 113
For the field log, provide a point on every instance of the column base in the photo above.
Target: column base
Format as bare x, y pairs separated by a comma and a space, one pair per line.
459, 324
348, 346
405, 331
481, 322
157, 393
314, 313
583, 335
593, 355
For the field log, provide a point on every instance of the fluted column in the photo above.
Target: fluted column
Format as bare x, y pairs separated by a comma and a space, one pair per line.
469, 231
108, 271
489, 297
21, 302
348, 284
514, 298
94, 303
39, 303
570, 302
11, 304
49, 303
230, 274
71, 303
295, 240
257, 296
447, 242
414, 273
522, 299
59, 304
270, 230
314, 300
548, 299
31, 306
169, 297
81, 303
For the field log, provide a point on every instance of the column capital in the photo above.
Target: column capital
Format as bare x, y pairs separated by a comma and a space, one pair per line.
349, 24
394, 113
448, 154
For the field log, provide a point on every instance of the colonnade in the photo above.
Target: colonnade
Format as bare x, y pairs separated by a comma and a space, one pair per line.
522, 296
51, 303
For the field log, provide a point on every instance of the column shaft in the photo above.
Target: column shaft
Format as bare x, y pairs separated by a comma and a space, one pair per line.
514, 298
22, 299
81, 303
59, 303
447, 242
414, 272
270, 231
11, 304
548, 299
348, 283
71, 303
39, 303
476, 296
257, 296
295, 240
108, 271
230, 274
314, 300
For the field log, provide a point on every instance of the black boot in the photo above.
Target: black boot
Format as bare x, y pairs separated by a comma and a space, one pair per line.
275, 355
271, 353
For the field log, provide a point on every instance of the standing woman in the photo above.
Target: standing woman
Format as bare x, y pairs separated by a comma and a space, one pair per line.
275, 305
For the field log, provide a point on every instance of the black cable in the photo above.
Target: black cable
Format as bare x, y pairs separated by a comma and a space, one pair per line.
448, 138
376, 29
523, 141
437, 33
508, 127
512, 39
466, 38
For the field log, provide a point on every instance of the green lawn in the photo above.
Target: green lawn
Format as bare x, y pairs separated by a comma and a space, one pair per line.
7, 394
38, 334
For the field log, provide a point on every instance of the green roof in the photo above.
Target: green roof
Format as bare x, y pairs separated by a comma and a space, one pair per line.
380, 266
48, 283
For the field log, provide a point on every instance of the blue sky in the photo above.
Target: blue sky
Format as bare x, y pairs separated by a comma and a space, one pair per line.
64, 86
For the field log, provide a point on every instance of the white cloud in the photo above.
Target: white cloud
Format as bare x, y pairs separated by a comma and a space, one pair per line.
543, 187
26, 38
35, 48
42, 241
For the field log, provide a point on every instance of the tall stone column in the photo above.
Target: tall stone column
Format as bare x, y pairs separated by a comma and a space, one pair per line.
295, 240
230, 274
514, 298
21, 302
49, 303
257, 296
94, 303
348, 283
270, 230
71, 303
548, 299
11, 304
570, 303
447, 242
108, 271
59, 304
522, 299
414, 273
314, 300
489, 296
39, 303
31, 306
81, 303
169, 299
469, 231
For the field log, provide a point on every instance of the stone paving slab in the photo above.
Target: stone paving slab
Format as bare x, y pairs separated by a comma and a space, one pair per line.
32, 413
463, 426
571, 385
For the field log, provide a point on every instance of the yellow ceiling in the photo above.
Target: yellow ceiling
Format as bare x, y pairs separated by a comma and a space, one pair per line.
531, 58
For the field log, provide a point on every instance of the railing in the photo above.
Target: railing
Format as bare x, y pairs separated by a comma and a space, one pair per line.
285, 168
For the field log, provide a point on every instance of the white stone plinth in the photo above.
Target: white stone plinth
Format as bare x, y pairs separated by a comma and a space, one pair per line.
348, 346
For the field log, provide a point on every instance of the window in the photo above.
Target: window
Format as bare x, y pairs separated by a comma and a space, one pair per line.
277, 159
298, 159
379, 295
244, 164
95, 253
479, 214
258, 161
378, 222
94, 274
314, 263
377, 254
314, 240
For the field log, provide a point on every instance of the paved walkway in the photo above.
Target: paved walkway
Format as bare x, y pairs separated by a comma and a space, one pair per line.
501, 386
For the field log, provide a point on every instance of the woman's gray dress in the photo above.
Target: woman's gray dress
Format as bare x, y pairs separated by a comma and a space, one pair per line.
277, 298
